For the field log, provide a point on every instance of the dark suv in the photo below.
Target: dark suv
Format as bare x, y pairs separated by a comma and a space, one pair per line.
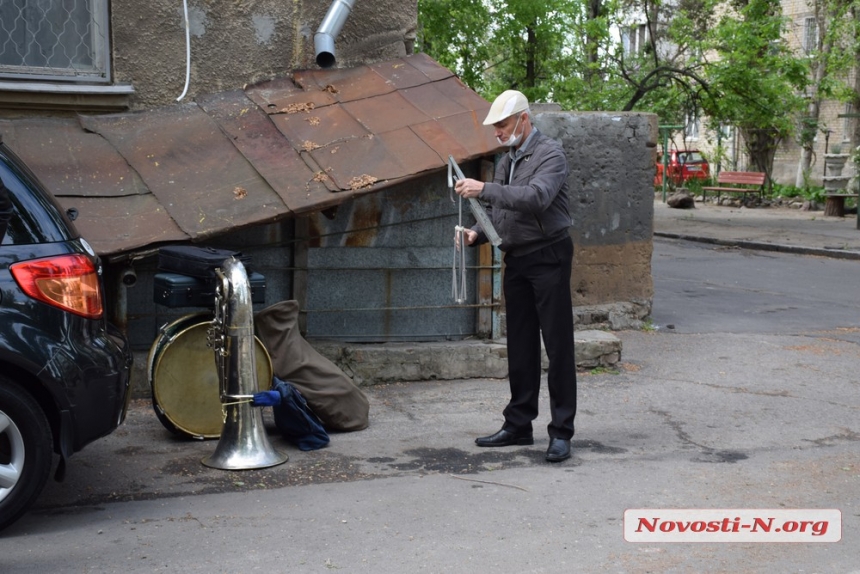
64, 371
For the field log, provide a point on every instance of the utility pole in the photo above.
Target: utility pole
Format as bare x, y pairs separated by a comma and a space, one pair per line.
664, 134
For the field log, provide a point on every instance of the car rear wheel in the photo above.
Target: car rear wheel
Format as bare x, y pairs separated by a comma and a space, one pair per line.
26, 452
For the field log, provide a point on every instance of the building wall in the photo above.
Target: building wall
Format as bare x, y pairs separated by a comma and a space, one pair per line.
233, 43
787, 155
236, 43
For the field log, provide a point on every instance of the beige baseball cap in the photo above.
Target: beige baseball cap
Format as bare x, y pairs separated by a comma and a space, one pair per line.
508, 103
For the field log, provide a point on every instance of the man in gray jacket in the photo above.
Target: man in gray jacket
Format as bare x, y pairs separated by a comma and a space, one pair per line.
528, 206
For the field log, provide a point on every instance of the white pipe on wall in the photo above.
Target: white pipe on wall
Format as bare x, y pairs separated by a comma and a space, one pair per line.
187, 52
331, 25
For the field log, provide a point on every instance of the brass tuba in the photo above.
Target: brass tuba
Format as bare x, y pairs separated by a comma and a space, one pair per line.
243, 444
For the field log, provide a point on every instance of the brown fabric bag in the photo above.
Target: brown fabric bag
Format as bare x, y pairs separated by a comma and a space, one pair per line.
333, 397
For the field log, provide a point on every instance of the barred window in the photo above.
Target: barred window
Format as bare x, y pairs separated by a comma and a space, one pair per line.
810, 35
55, 40
691, 127
634, 39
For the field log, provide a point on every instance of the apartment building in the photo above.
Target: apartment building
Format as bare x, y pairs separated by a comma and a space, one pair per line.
837, 124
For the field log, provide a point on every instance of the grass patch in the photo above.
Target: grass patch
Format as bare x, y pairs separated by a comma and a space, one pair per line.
603, 371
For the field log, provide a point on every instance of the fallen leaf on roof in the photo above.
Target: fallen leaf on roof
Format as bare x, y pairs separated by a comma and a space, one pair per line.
240, 193
320, 176
314, 121
330, 89
308, 145
362, 181
297, 107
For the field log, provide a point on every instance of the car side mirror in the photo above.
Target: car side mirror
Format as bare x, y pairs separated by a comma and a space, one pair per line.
72, 213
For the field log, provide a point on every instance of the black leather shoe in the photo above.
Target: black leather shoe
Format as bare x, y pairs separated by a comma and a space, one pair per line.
559, 450
506, 438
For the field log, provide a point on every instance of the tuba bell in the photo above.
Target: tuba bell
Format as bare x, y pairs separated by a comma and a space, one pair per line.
243, 444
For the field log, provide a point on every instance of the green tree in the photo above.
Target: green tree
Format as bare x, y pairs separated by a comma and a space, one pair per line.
531, 52
854, 52
457, 34
569, 51
756, 81
548, 49
596, 55
667, 75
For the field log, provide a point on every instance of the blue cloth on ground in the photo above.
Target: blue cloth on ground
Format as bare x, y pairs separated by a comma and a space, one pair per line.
266, 399
295, 419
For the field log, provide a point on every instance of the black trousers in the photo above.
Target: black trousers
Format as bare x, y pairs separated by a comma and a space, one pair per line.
538, 302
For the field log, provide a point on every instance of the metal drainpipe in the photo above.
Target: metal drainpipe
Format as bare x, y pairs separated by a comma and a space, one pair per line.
334, 20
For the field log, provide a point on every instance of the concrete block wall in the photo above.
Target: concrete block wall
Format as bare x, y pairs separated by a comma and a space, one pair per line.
611, 159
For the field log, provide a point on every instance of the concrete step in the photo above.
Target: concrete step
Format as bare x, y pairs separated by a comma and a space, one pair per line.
370, 364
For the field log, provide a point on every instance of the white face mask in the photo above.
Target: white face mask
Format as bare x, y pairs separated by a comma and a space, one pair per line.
512, 140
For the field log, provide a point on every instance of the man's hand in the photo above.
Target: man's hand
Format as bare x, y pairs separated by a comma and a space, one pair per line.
468, 187
469, 236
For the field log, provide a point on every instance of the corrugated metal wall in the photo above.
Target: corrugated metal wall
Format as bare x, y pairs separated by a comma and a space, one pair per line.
379, 268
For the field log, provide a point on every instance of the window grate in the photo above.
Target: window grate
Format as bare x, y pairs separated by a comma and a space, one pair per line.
58, 40
634, 39
810, 35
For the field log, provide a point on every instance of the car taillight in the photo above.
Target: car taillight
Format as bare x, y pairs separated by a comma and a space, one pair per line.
70, 282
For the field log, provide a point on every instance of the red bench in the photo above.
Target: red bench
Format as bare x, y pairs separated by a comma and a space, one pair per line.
738, 178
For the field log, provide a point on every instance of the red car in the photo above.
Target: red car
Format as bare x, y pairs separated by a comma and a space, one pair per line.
684, 165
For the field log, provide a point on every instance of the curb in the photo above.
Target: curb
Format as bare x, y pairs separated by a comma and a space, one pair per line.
759, 246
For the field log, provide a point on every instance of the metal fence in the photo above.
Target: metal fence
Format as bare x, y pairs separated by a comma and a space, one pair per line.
56, 40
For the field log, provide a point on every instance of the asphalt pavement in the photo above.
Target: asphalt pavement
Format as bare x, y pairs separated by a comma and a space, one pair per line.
739, 422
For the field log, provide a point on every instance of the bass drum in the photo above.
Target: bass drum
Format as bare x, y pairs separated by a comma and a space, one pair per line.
186, 393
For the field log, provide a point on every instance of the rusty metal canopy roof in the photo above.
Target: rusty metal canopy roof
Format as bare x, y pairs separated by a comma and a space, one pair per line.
274, 150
